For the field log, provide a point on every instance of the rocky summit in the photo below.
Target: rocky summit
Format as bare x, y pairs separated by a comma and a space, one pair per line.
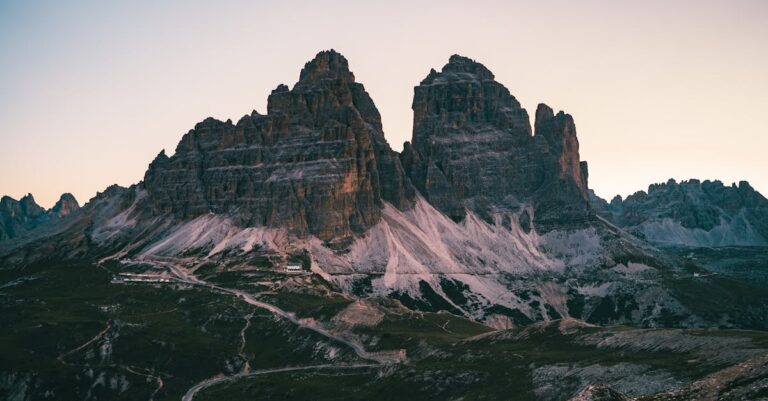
19, 216
317, 163
473, 149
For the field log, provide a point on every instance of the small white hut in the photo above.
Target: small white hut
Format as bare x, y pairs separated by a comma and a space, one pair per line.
293, 267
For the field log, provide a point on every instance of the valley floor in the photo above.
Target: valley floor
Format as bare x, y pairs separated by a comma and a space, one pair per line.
74, 332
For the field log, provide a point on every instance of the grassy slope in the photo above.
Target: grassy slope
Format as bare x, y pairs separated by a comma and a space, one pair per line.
182, 334
185, 334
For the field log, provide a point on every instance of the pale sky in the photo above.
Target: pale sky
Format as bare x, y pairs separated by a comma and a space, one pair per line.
90, 92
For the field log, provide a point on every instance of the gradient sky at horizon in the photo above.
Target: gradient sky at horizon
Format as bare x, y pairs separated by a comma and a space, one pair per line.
90, 92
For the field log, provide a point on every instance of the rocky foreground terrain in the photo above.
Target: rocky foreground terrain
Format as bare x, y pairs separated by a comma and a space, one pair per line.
475, 264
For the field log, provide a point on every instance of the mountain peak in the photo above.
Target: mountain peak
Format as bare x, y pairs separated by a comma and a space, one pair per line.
29, 206
463, 115
66, 205
67, 197
28, 198
744, 185
328, 64
461, 64
317, 163
543, 112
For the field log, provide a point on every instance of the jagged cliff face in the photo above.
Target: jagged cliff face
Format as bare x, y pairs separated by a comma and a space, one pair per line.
473, 149
19, 216
693, 213
317, 163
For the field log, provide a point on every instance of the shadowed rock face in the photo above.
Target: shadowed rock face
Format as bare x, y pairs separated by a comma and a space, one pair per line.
317, 163
473, 148
693, 212
18, 217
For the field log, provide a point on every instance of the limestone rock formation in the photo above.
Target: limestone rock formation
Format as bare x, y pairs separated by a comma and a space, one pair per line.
66, 205
473, 148
19, 216
317, 163
693, 213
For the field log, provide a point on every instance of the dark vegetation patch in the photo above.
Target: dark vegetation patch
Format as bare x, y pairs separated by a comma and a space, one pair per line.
721, 299
517, 317
186, 334
429, 301
309, 304
613, 308
454, 290
575, 304
362, 285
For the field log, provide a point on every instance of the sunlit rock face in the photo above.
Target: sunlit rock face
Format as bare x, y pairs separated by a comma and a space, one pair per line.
66, 205
473, 148
317, 163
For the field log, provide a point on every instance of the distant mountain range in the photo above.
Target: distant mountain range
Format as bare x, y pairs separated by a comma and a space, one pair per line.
692, 213
482, 214
20, 216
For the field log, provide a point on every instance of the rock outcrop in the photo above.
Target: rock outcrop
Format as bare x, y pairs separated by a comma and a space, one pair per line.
66, 205
19, 216
473, 148
747, 380
693, 213
599, 393
317, 163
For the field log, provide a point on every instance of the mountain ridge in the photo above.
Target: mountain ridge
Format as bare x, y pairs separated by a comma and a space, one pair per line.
20, 216
692, 213
481, 215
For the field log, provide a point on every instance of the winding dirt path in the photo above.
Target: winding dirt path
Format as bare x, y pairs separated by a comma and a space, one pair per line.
97, 337
243, 341
190, 395
158, 380
182, 275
